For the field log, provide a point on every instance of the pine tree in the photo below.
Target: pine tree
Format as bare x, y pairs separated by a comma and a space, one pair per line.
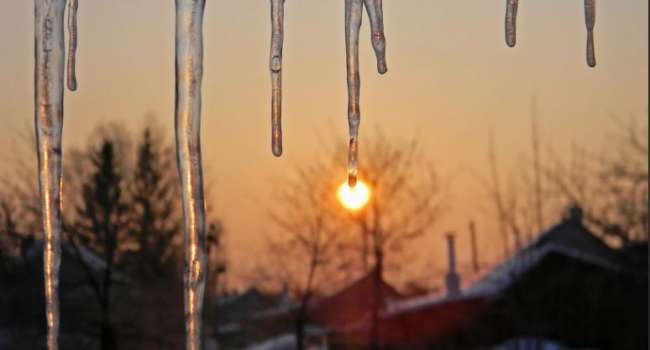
156, 213
101, 225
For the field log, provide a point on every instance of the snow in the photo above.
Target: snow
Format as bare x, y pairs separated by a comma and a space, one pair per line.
282, 342
564, 239
531, 344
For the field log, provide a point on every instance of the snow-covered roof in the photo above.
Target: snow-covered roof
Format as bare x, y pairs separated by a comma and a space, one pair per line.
531, 344
282, 342
569, 238
413, 304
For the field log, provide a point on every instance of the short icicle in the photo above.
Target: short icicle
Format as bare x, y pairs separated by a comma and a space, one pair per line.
48, 118
590, 21
376, 16
353, 12
189, 72
275, 65
73, 5
511, 22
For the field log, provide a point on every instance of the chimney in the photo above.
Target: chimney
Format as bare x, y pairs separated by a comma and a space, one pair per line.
452, 280
472, 237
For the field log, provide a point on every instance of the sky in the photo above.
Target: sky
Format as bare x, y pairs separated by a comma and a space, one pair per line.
451, 78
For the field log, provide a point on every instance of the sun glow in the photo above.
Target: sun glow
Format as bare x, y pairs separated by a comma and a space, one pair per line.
353, 198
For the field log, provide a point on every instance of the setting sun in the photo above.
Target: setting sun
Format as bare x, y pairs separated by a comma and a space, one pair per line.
353, 198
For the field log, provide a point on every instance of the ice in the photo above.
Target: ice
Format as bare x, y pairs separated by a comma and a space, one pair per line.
48, 118
376, 16
189, 72
275, 65
73, 5
353, 12
590, 20
511, 22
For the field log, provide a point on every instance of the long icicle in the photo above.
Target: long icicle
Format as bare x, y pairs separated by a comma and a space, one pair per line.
376, 16
590, 21
353, 12
189, 73
73, 5
275, 65
511, 22
48, 118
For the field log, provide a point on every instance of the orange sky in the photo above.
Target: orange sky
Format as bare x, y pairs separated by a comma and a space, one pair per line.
450, 78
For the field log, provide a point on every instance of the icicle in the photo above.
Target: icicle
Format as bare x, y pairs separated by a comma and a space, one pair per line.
376, 15
353, 9
511, 22
189, 72
72, 44
48, 118
275, 65
590, 20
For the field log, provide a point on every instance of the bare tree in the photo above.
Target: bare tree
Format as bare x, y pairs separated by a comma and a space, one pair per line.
611, 187
406, 201
504, 220
20, 186
304, 251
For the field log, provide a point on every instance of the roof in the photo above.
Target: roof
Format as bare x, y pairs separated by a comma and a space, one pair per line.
569, 238
421, 326
282, 342
353, 304
250, 303
529, 343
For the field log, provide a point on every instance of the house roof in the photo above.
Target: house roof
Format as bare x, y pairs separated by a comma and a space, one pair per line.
427, 319
353, 304
249, 304
417, 327
569, 238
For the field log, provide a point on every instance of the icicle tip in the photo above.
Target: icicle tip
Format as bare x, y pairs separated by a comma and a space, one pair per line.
511, 22
352, 180
276, 148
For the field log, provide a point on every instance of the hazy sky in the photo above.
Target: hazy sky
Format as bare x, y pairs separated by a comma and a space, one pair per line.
451, 77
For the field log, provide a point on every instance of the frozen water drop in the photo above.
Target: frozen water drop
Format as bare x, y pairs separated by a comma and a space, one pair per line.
511, 22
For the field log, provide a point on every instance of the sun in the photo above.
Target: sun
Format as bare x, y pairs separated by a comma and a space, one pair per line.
353, 198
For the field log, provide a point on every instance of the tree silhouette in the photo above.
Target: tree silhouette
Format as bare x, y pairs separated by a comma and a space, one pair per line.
102, 224
120, 204
307, 252
155, 210
323, 242
611, 187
